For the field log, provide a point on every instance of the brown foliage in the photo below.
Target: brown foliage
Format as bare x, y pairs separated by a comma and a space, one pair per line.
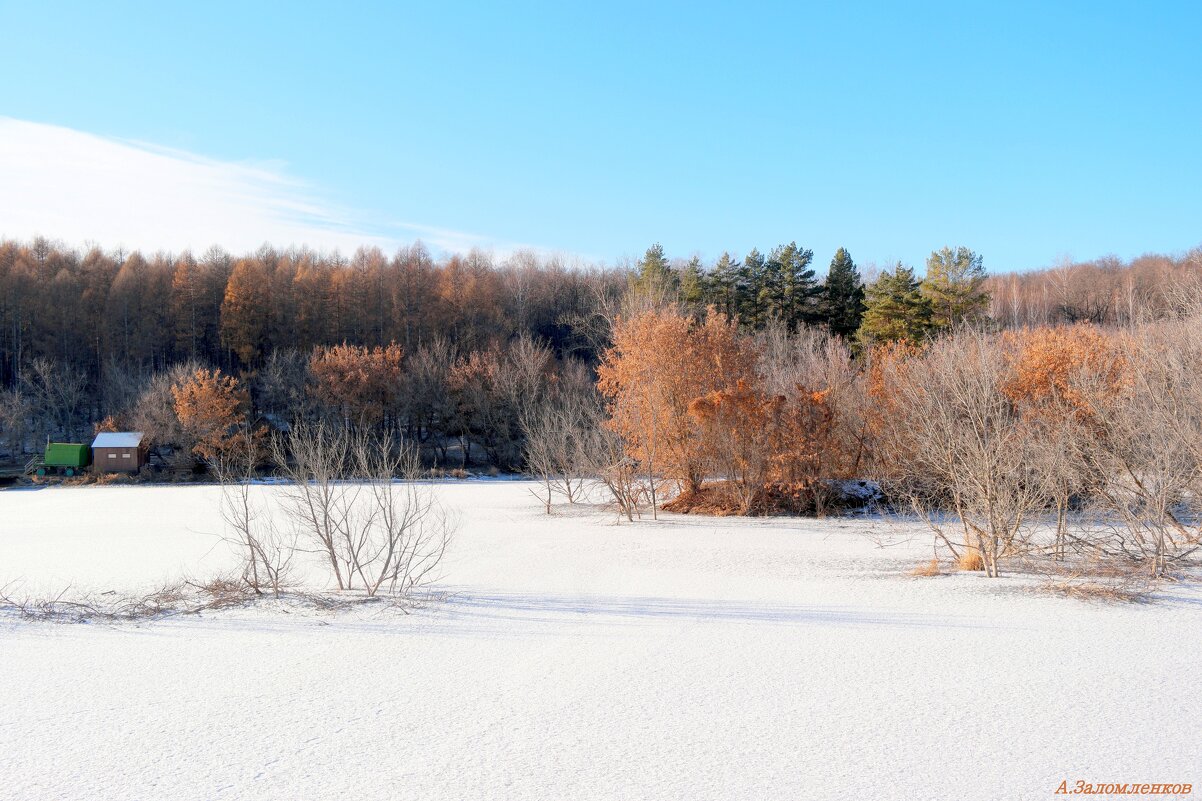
769, 447
693, 399
211, 408
927, 569
362, 384
245, 311
1049, 366
970, 561
660, 362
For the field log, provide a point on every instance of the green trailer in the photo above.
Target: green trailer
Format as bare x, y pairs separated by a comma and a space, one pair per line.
68, 458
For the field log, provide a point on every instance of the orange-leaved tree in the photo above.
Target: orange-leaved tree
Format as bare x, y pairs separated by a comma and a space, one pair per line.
211, 408
245, 310
362, 384
660, 362
1063, 381
737, 435
1062, 371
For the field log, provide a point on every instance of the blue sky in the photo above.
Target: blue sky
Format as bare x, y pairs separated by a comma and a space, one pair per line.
1028, 132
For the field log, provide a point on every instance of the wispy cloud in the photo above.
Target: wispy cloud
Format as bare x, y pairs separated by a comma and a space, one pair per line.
78, 187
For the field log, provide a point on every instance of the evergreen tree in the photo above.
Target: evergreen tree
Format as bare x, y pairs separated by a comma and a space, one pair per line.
799, 289
694, 283
654, 276
724, 285
843, 296
895, 308
752, 280
954, 285
788, 290
770, 297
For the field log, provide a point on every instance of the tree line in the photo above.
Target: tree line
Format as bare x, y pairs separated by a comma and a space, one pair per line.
90, 335
1058, 425
1070, 450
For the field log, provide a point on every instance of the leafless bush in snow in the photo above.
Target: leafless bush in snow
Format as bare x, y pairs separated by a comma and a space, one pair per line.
559, 430
956, 444
1144, 463
375, 533
266, 551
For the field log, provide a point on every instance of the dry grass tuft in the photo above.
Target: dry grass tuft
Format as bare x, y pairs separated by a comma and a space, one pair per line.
931, 568
1101, 591
187, 598
970, 561
1105, 580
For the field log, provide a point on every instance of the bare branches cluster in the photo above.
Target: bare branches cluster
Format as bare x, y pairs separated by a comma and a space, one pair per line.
1081, 446
360, 503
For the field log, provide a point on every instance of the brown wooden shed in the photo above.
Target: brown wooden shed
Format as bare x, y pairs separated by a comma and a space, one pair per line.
118, 452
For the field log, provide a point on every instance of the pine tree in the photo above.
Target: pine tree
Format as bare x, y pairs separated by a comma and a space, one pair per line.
843, 296
799, 288
770, 298
752, 281
724, 285
788, 290
654, 276
895, 309
693, 283
954, 285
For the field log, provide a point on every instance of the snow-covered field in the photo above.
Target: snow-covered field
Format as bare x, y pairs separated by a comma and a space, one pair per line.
689, 658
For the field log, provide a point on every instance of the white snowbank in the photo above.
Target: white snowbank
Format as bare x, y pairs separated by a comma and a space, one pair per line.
688, 658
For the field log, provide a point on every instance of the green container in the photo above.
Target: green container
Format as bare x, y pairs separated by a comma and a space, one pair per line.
67, 454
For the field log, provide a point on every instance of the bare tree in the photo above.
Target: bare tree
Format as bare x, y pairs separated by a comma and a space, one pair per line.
626, 484
266, 551
375, 534
153, 413
429, 406
1144, 462
58, 392
315, 457
558, 431
403, 534
15, 410
953, 442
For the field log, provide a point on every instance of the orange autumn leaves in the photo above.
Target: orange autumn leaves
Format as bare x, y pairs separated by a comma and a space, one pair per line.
211, 408
691, 406
1061, 371
1051, 375
689, 403
363, 384
660, 362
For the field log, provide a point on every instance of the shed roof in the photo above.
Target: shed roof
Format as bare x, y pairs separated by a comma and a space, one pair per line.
118, 439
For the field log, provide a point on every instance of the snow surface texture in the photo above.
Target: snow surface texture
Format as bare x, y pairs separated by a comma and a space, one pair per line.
690, 658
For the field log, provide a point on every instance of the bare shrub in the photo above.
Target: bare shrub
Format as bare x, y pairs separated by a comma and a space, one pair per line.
403, 535
951, 441
375, 534
172, 598
629, 488
559, 431
1144, 462
266, 551
1094, 578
